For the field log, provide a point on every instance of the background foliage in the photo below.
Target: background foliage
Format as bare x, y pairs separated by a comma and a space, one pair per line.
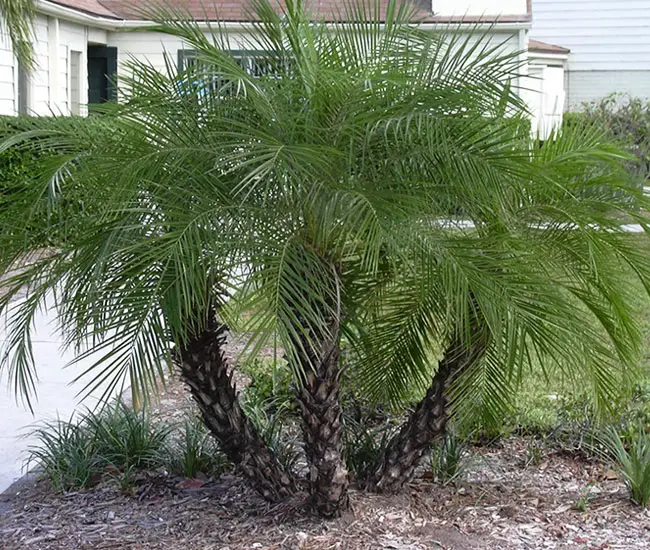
627, 120
22, 167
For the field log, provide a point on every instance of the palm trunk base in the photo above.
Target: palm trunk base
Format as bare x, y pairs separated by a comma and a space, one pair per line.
204, 369
428, 422
323, 436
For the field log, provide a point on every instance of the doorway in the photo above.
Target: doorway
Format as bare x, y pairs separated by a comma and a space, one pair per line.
102, 73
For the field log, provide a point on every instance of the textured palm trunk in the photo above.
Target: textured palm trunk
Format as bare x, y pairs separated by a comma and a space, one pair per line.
428, 421
205, 370
322, 426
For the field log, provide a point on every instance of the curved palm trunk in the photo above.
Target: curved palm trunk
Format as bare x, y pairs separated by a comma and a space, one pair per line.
322, 427
428, 421
205, 370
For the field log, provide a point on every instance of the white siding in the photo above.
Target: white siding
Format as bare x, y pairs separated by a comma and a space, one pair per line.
587, 86
7, 68
603, 35
73, 38
62, 106
156, 49
609, 42
475, 8
40, 80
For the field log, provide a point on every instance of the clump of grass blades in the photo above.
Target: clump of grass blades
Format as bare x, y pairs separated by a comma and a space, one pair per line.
448, 458
65, 452
364, 445
195, 453
632, 460
118, 441
126, 439
271, 418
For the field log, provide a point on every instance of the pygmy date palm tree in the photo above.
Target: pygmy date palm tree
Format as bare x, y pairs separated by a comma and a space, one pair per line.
310, 186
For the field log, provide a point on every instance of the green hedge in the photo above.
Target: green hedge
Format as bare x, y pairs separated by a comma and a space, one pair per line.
627, 121
27, 182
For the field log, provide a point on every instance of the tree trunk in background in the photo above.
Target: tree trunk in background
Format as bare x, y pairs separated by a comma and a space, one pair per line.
205, 370
322, 427
427, 422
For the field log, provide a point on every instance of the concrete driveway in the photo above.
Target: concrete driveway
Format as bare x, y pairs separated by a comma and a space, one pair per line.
55, 397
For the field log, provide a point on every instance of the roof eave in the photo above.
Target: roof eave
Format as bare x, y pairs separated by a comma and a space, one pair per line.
103, 22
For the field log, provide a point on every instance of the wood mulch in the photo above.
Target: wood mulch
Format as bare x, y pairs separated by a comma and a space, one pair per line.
499, 504
503, 501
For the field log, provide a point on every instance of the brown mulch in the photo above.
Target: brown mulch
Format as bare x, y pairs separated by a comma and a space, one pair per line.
502, 502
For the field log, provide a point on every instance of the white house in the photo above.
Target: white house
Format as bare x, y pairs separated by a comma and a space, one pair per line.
81, 45
609, 42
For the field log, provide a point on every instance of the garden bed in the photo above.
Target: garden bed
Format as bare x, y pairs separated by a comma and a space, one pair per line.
508, 498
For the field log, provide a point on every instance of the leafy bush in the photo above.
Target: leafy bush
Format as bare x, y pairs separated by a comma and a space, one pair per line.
275, 429
271, 383
65, 452
632, 461
26, 171
195, 452
627, 120
117, 441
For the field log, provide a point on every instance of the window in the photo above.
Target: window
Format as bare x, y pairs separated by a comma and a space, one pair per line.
257, 63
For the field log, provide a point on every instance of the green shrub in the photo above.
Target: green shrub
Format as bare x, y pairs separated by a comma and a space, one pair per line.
627, 120
631, 460
271, 383
30, 180
126, 439
195, 452
275, 428
65, 452
116, 442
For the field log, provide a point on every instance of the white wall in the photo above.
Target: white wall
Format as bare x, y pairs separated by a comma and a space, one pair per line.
40, 79
73, 38
586, 86
609, 42
7, 80
152, 48
545, 96
475, 8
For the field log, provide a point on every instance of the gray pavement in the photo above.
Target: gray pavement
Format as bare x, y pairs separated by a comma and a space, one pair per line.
55, 397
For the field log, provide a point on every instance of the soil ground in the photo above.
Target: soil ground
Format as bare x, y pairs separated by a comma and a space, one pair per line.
504, 501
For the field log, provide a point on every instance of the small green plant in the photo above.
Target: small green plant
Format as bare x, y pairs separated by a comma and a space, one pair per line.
587, 495
272, 424
364, 445
271, 382
195, 453
65, 452
534, 452
448, 458
631, 460
124, 438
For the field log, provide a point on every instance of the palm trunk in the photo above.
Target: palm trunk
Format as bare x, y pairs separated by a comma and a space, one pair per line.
205, 370
428, 421
317, 351
322, 427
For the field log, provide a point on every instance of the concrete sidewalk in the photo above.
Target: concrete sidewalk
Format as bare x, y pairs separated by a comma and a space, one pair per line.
55, 397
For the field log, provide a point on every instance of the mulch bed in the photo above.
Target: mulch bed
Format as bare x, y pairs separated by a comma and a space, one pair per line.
502, 502
499, 505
